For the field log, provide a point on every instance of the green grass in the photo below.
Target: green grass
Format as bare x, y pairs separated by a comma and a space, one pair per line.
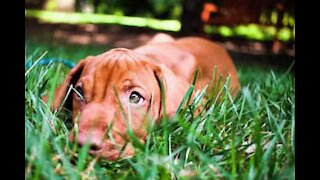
251, 137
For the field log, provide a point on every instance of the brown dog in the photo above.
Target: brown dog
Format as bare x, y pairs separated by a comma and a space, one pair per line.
130, 80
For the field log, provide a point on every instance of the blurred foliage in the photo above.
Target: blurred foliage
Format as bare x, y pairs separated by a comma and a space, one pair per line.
252, 32
272, 18
143, 13
225, 31
85, 18
160, 9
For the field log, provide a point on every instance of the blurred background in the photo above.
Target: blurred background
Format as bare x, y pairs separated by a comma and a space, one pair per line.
255, 32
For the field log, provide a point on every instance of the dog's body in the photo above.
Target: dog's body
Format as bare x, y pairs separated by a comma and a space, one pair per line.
184, 55
131, 80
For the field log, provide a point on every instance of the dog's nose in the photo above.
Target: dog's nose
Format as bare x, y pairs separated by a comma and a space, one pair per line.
95, 147
94, 142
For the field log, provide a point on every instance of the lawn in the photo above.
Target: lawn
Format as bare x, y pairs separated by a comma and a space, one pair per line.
250, 137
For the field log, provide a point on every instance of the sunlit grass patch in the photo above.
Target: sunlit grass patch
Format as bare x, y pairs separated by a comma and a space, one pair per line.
86, 18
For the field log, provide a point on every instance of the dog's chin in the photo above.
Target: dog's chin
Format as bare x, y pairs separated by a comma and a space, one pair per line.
110, 155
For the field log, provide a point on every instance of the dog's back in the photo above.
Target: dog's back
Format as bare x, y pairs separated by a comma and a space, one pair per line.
208, 55
186, 54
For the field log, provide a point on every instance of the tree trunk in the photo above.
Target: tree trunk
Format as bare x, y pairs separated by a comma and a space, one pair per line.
191, 17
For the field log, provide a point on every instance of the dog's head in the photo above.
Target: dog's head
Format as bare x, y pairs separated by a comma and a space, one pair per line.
113, 92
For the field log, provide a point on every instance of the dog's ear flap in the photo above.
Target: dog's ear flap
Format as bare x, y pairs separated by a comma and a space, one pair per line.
62, 89
174, 89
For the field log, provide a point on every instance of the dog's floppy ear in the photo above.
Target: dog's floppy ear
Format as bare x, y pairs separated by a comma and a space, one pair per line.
62, 89
174, 89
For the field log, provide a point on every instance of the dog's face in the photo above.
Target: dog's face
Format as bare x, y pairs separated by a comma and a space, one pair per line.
114, 92
108, 89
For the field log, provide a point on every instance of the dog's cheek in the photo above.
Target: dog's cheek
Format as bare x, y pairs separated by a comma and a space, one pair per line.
140, 111
76, 107
140, 123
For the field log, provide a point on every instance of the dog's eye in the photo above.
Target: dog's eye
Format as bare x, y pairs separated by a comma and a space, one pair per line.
135, 98
79, 92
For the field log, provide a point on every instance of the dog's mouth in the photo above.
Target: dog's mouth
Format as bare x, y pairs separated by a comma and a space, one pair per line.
107, 151
109, 154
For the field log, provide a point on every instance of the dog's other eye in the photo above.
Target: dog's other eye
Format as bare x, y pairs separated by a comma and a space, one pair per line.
79, 92
135, 98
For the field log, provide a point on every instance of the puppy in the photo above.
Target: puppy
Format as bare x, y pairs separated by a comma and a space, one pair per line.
121, 88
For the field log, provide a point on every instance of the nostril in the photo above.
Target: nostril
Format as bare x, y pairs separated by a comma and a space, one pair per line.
92, 143
94, 147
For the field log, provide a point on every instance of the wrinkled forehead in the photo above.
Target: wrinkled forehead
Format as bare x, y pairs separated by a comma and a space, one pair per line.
119, 65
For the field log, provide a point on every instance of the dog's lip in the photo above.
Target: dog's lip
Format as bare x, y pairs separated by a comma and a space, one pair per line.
95, 151
109, 154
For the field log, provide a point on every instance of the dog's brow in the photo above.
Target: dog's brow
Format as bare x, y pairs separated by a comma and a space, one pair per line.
129, 83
